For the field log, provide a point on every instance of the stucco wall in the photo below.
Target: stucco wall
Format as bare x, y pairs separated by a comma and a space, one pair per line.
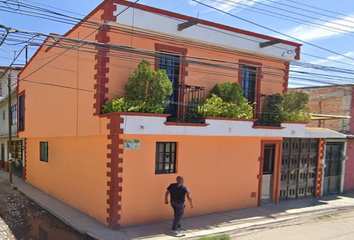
76, 172
215, 170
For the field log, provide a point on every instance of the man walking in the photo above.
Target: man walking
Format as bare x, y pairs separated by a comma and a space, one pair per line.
178, 192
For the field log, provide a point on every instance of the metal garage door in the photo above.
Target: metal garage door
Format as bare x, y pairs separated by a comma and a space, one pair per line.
299, 167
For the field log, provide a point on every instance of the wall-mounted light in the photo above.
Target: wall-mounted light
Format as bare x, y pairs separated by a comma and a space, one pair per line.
230, 130
142, 128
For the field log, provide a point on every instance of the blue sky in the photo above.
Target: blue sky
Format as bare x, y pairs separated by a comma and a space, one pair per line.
253, 10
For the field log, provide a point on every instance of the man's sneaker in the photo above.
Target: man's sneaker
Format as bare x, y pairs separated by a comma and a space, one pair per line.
174, 232
180, 227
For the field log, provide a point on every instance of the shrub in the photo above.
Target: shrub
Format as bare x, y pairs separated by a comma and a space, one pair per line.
148, 85
130, 105
228, 92
294, 107
216, 107
147, 90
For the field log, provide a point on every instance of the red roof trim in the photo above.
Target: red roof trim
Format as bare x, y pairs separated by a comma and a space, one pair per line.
204, 22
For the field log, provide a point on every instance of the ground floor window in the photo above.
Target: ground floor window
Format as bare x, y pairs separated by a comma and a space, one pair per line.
44, 151
165, 157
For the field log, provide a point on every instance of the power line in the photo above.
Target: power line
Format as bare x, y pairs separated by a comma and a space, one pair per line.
272, 30
103, 25
324, 13
292, 18
83, 22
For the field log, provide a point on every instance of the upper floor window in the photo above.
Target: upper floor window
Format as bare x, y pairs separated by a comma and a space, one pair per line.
3, 115
14, 114
165, 157
170, 63
21, 102
249, 82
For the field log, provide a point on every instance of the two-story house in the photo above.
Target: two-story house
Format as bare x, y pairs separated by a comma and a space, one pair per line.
116, 166
17, 144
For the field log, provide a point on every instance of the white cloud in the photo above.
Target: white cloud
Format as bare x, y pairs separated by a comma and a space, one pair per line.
332, 58
227, 6
309, 33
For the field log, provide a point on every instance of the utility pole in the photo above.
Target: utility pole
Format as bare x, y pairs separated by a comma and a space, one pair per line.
10, 126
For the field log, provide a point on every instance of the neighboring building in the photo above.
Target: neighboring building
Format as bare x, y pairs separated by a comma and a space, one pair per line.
116, 167
17, 148
333, 108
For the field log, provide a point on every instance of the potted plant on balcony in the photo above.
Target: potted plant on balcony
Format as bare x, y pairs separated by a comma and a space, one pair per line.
146, 90
226, 101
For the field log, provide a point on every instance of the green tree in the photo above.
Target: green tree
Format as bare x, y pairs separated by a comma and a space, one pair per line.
294, 107
228, 92
147, 91
147, 85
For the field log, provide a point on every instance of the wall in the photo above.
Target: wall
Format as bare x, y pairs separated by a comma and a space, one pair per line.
4, 108
75, 172
332, 100
349, 168
215, 169
56, 110
3, 81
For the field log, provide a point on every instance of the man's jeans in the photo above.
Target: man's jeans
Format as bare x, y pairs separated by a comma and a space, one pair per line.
178, 208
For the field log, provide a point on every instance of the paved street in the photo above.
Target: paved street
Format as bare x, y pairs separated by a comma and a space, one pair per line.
338, 226
5, 233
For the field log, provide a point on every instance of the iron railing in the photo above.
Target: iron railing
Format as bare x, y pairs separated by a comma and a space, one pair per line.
186, 104
267, 110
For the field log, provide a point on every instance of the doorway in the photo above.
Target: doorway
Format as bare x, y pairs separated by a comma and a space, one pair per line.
268, 172
332, 171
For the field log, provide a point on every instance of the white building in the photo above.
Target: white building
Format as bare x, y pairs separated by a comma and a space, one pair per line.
17, 148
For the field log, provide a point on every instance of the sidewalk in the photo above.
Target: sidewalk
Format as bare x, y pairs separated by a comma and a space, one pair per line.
235, 223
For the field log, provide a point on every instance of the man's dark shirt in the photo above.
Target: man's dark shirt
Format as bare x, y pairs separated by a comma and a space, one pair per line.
178, 192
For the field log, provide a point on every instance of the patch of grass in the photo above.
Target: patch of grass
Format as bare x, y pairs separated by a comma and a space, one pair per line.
14, 188
220, 237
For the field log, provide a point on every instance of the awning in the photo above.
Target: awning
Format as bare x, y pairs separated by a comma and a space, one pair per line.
312, 132
317, 116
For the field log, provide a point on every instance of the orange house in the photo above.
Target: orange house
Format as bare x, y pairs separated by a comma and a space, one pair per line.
116, 167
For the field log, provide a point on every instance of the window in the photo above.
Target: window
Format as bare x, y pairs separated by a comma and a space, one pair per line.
16, 149
249, 82
14, 114
171, 64
3, 115
269, 157
21, 112
165, 157
44, 151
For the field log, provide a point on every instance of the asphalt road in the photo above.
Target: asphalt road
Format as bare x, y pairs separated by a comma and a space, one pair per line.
329, 227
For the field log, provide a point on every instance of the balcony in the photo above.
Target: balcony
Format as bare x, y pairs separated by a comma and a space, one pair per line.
267, 111
185, 103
